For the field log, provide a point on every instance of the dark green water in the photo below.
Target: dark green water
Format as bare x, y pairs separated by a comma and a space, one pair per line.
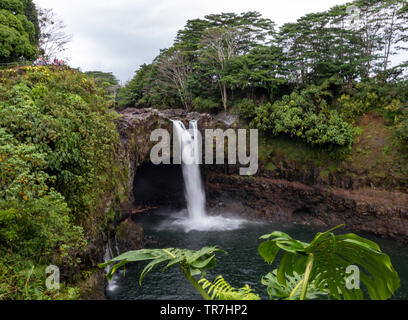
241, 266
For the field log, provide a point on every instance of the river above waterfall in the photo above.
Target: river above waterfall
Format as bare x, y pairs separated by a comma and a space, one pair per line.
242, 265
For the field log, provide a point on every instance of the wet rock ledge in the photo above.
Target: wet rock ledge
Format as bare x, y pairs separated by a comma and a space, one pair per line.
274, 198
135, 127
363, 210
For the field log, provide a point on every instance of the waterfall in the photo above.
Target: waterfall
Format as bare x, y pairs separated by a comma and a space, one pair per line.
194, 191
197, 218
112, 285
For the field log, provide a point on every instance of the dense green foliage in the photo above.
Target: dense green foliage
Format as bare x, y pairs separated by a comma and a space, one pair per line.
305, 115
103, 79
311, 79
195, 68
57, 163
306, 270
140, 91
19, 30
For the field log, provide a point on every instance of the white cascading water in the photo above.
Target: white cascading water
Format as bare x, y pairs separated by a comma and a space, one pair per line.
109, 254
194, 191
112, 285
197, 218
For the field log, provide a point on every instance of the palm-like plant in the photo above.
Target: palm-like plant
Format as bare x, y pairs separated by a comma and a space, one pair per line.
192, 263
324, 261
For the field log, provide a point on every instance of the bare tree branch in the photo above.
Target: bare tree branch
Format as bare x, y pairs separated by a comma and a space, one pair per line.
174, 69
53, 38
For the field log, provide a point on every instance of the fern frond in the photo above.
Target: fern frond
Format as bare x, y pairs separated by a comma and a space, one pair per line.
222, 290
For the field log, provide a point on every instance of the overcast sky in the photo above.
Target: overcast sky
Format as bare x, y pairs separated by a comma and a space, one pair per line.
119, 35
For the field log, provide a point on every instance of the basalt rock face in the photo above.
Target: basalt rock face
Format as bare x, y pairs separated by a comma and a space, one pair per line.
135, 128
129, 235
364, 210
286, 194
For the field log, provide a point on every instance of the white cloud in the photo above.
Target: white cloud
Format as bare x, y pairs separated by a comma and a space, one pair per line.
120, 35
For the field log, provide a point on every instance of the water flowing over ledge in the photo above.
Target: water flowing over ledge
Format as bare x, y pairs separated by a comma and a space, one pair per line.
196, 217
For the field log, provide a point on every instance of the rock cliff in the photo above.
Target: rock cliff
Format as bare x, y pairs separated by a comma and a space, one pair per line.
284, 196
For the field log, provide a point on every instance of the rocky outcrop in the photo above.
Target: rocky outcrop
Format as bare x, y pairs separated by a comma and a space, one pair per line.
93, 288
287, 193
129, 235
135, 127
379, 212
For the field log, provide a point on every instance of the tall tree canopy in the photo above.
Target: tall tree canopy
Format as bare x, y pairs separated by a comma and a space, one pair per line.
197, 64
225, 61
19, 30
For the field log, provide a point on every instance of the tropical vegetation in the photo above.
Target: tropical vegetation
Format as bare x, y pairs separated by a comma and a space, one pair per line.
58, 163
315, 270
19, 30
310, 80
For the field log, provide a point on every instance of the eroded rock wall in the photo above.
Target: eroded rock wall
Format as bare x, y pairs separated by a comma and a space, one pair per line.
135, 128
297, 195
380, 212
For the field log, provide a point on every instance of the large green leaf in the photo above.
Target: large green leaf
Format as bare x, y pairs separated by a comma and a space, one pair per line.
196, 262
292, 289
332, 255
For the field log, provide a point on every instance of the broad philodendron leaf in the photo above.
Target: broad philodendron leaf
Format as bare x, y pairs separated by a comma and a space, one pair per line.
196, 262
292, 289
331, 255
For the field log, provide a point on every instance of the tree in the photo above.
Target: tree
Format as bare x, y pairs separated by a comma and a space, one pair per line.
175, 71
103, 79
226, 57
136, 90
395, 29
320, 46
255, 30
189, 38
218, 47
53, 39
32, 15
184, 73
203, 40
17, 31
145, 90
14, 6
262, 68
372, 23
